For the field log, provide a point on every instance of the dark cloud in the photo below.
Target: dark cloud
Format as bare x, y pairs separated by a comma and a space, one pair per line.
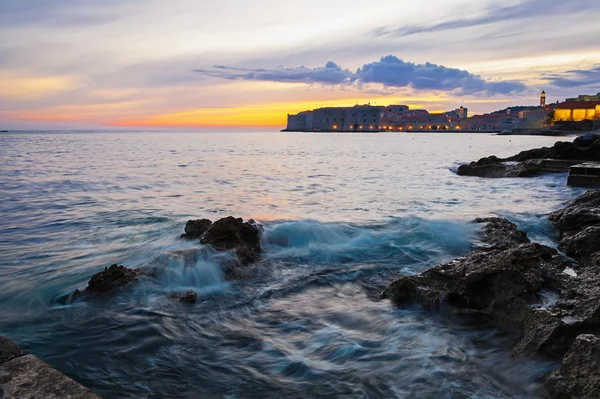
526, 9
331, 73
576, 78
390, 71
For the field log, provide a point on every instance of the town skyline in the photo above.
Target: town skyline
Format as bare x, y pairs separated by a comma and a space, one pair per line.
114, 65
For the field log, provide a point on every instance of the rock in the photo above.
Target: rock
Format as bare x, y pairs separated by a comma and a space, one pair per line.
9, 350
195, 228
500, 234
504, 168
583, 212
579, 373
536, 153
189, 297
583, 244
29, 377
234, 234
112, 277
537, 161
480, 280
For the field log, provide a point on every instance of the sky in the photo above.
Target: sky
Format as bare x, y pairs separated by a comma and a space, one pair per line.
129, 64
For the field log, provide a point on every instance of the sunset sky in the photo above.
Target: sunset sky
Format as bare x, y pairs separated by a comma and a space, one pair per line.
104, 64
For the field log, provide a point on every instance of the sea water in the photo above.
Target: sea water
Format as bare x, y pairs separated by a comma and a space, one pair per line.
344, 215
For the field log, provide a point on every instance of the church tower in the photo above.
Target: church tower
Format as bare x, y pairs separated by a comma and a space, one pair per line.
543, 99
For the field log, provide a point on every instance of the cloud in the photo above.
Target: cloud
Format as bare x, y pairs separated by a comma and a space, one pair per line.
389, 71
576, 78
330, 74
525, 10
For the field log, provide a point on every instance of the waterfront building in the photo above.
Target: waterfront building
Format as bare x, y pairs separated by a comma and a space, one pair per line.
577, 111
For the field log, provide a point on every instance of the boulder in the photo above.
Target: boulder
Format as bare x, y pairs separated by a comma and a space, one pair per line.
195, 228
233, 234
579, 373
112, 277
499, 233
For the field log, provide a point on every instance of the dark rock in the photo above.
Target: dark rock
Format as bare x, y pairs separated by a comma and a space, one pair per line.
112, 277
195, 228
9, 350
189, 297
581, 213
586, 140
234, 234
500, 233
536, 153
579, 373
480, 280
536, 162
527, 168
583, 244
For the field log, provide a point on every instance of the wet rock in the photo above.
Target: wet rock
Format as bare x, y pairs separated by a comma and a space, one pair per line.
188, 297
234, 234
581, 213
498, 284
195, 228
112, 277
583, 244
499, 233
579, 373
528, 168
537, 161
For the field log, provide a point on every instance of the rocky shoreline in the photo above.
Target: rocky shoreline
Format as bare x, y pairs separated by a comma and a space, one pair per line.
552, 301
539, 161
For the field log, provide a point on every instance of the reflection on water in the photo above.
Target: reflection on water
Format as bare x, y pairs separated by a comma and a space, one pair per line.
344, 215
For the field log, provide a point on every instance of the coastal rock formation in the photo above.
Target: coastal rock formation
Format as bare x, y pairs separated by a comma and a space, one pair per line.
538, 161
233, 234
112, 277
579, 373
195, 228
552, 301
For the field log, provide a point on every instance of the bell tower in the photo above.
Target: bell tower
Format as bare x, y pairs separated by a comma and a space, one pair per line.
543, 99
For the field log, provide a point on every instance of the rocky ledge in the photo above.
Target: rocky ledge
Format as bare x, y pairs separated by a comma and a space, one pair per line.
538, 161
551, 301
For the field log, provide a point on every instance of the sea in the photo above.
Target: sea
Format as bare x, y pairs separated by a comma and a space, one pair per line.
343, 216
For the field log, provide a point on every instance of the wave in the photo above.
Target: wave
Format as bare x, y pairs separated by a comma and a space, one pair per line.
200, 269
410, 239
